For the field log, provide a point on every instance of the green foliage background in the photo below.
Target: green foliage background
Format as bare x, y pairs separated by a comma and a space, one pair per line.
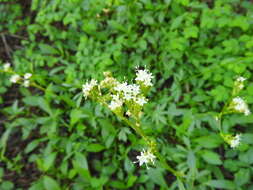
55, 140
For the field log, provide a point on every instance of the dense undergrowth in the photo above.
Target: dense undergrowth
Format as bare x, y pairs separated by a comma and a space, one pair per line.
52, 138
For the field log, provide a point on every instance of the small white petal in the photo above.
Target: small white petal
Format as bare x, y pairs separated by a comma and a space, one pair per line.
15, 78
235, 141
6, 66
27, 75
26, 83
240, 79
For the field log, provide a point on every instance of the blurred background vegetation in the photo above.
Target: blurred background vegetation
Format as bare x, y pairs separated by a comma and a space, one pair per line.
54, 140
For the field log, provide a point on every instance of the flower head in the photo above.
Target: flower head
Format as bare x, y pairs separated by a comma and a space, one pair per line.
6, 66
88, 86
15, 78
235, 141
144, 76
146, 157
239, 105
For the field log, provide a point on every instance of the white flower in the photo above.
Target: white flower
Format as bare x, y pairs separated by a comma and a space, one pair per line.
144, 76
146, 157
121, 87
240, 79
239, 82
88, 86
141, 101
27, 75
6, 66
128, 113
240, 105
116, 102
26, 83
15, 78
235, 141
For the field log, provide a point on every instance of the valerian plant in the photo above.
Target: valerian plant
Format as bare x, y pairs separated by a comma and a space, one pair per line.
126, 101
236, 104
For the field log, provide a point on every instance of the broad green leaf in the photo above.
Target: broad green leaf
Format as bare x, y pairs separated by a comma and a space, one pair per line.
50, 183
223, 184
211, 157
242, 177
49, 161
210, 141
95, 147
156, 176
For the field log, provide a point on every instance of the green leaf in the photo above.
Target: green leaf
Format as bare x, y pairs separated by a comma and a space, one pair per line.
95, 147
211, 157
7, 185
191, 160
81, 165
31, 146
210, 141
47, 49
76, 115
242, 177
156, 176
49, 161
50, 183
223, 184
38, 101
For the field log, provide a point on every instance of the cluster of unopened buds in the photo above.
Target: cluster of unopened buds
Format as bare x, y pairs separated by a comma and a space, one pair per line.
123, 99
15, 78
236, 105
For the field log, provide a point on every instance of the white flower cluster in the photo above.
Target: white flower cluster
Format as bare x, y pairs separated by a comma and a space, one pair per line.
146, 157
144, 76
239, 83
239, 105
88, 86
129, 91
27, 77
119, 94
235, 141
15, 78
116, 102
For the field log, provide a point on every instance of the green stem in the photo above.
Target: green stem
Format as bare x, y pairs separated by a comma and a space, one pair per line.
38, 86
158, 155
138, 130
167, 167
